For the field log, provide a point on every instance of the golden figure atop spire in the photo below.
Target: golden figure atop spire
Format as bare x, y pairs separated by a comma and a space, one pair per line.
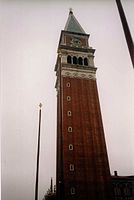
70, 11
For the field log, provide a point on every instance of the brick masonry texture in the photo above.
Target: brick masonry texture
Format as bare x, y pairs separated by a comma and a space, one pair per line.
91, 175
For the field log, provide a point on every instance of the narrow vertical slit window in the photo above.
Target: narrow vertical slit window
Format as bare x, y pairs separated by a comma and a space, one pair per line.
68, 98
71, 147
68, 84
69, 113
71, 167
72, 190
70, 129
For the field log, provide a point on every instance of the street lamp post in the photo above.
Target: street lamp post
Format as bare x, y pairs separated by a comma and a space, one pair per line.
127, 33
38, 156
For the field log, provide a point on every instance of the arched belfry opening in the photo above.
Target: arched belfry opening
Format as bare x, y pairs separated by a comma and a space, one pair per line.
86, 61
69, 59
80, 61
74, 60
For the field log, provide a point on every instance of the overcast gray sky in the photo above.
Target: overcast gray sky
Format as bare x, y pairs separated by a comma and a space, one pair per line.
30, 32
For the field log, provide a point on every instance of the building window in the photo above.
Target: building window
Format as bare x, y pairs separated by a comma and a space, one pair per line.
74, 60
72, 190
68, 84
117, 190
68, 98
70, 129
69, 59
80, 61
71, 147
71, 167
127, 191
86, 61
69, 113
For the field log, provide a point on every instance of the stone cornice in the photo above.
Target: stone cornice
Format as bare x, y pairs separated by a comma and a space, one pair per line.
76, 49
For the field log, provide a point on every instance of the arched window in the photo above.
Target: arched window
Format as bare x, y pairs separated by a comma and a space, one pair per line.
68, 84
71, 167
80, 61
69, 59
86, 61
69, 113
117, 190
71, 147
68, 98
74, 60
72, 190
69, 129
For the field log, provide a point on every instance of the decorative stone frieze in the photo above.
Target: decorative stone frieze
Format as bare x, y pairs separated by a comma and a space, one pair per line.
77, 73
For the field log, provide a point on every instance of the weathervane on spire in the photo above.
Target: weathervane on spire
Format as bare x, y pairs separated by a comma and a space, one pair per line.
40, 105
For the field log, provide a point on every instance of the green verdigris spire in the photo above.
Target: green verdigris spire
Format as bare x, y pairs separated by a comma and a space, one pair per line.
72, 25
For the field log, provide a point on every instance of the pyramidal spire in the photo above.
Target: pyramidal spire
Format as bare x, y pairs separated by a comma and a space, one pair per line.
72, 25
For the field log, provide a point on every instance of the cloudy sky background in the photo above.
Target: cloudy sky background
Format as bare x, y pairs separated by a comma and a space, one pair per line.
30, 32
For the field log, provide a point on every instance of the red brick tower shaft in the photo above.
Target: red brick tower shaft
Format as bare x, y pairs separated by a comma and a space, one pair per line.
82, 162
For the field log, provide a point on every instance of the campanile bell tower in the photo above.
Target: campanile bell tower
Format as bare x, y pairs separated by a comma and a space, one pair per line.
82, 162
